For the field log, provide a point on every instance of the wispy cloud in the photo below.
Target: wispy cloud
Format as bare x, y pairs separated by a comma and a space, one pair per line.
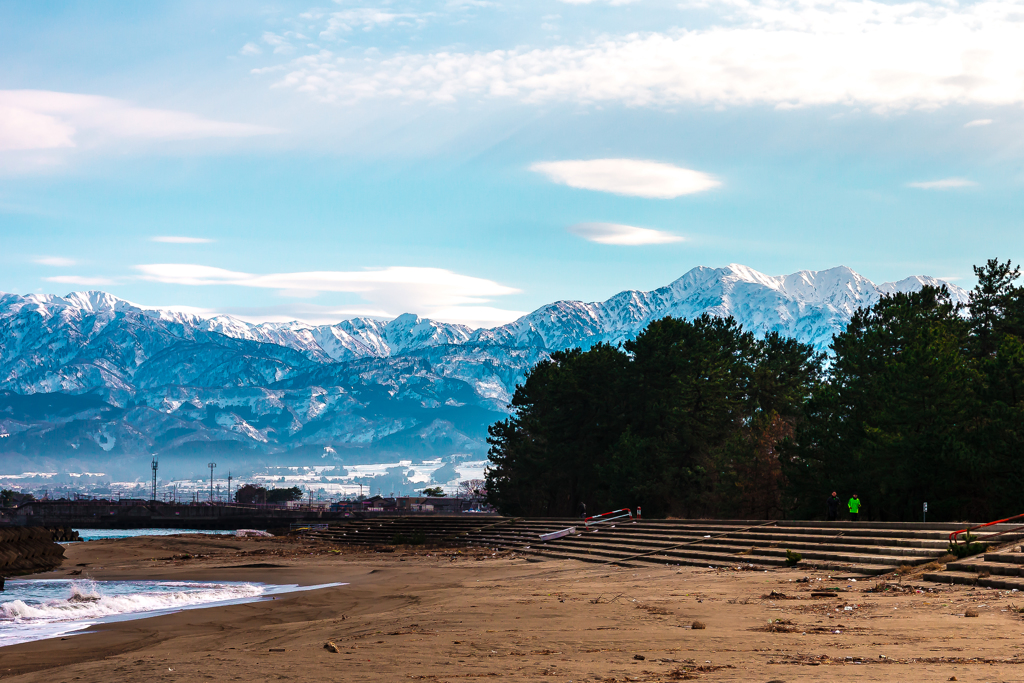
177, 239
44, 120
784, 53
634, 177
366, 19
81, 280
977, 122
433, 292
250, 50
55, 261
589, 2
622, 235
944, 184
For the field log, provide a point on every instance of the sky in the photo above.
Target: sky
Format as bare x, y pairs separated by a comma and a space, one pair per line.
472, 160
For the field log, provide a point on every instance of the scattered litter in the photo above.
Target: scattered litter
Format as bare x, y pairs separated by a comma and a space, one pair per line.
244, 533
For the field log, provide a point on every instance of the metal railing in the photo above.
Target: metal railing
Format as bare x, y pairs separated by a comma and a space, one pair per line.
953, 536
605, 517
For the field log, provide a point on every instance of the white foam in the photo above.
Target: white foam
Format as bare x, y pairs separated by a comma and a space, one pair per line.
85, 602
47, 608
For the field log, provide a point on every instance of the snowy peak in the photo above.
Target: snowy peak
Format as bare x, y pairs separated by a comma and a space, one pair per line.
914, 283
809, 305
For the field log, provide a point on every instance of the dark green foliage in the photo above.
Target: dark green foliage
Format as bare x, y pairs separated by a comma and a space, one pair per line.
284, 495
969, 547
434, 492
683, 420
9, 498
923, 400
792, 558
250, 493
923, 403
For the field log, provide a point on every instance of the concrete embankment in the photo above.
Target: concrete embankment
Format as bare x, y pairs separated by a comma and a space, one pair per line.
27, 550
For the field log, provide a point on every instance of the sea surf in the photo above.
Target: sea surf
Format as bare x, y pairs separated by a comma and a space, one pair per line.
47, 608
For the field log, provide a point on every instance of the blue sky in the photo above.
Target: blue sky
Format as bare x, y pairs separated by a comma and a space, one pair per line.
474, 159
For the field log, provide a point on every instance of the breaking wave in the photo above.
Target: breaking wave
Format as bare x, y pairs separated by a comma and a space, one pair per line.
48, 608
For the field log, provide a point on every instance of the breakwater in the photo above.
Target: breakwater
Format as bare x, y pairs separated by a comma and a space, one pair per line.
27, 550
135, 514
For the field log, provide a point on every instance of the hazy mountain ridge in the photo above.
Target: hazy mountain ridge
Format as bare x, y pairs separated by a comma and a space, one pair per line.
89, 377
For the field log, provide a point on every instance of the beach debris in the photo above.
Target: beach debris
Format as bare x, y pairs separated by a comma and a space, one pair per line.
639, 657
245, 533
698, 625
558, 534
971, 612
331, 647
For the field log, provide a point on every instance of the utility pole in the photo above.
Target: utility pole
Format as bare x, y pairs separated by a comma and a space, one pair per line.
155, 465
229, 486
211, 466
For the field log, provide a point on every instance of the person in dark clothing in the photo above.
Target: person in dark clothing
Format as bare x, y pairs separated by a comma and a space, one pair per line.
582, 510
833, 507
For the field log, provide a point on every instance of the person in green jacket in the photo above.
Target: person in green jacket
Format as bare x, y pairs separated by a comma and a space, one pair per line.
854, 506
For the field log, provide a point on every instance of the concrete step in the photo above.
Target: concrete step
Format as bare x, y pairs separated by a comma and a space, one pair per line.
718, 555
781, 539
836, 554
1005, 557
972, 579
1001, 568
705, 560
866, 545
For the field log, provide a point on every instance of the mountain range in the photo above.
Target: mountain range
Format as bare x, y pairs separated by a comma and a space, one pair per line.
89, 380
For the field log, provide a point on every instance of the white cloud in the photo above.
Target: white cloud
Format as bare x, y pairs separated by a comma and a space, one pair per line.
634, 177
80, 280
56, 261
944, 184
623, 235
25, 129
41, 119
279, 43
250, 50
589, 2
432, 292
977, 122
365, 18
777, 52
175, 239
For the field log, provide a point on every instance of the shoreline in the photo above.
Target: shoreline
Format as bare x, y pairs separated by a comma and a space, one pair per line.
455, 614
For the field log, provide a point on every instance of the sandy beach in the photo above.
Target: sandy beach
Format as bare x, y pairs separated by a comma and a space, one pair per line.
448, 614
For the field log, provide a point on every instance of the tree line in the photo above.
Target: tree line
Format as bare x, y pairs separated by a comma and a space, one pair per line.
920, 399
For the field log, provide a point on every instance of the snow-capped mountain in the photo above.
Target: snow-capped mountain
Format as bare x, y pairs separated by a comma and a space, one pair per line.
89, 377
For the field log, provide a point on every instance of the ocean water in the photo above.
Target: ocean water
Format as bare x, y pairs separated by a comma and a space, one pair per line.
38, 609
96, 534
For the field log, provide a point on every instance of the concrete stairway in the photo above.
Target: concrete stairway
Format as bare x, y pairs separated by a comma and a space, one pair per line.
1003, 568
852, 548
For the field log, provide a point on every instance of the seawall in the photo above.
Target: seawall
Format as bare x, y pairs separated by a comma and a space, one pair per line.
27, 550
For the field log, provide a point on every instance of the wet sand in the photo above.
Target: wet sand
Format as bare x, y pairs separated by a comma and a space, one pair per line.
455, 615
